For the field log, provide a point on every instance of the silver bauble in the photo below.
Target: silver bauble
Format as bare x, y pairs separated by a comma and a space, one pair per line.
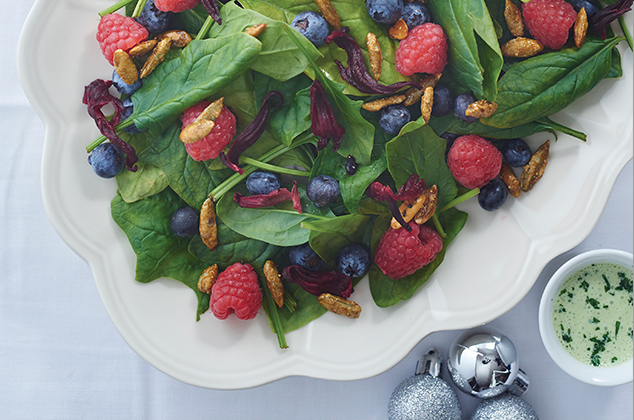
424, 396
504, 407
484, 363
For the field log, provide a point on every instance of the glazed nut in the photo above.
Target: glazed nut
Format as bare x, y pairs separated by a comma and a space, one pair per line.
581, 27
374, 54
156, 57
379, 104
207, 227
274, 282
534, 170
203, 124
329, 13
428, 208
125, 67
481, 109
426, 103
399, 30
207, 279
513, 17
521, 47
339, 305
413, 95
255, 30
410, 209
508, 177
180, 39
143, 48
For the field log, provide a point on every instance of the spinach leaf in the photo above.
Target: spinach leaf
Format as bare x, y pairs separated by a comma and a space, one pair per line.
547, 83
353, 14
159, 253
277, 48
190, 20
293, 117
418, 150
197, 72
386, 291
308, 309
329, 236
145, 182
190, 179
474, 55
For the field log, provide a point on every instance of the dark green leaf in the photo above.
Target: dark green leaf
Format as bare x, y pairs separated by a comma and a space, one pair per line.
145, 182
328, 237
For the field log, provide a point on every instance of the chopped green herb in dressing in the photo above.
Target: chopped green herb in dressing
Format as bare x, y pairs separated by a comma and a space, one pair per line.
590, 322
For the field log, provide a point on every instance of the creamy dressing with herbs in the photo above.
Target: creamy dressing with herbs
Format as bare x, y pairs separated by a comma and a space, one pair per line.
593, 316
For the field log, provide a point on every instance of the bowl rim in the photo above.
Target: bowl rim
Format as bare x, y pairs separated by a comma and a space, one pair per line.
601, 376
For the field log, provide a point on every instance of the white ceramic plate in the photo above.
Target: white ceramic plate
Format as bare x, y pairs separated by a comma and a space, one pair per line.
488, 269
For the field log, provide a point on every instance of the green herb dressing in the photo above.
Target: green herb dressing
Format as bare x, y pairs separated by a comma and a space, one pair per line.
593, 316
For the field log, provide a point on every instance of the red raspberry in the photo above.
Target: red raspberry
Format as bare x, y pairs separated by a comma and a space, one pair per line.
549, 21
474, 161
401, 253
175, 6
424, 50
236, 290
116, 32
210, 146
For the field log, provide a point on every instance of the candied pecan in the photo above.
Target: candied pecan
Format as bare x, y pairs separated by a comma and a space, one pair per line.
374, 54
274, 282
481, 109
125, 67
203, 124
513, 17
156, 57
357, 73
508, 177
318, 282
410, 190
413, 94
426, 103
207, 279
581, 27
207, 227
255, 30
379, 104
143, 48
329, 13
428, 208
534, 170
339, 305
521, 47
399, 30
180, 39
322, 118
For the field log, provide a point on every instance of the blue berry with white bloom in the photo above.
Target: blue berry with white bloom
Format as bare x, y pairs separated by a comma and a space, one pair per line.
312, 26
304, 256
106, 160
124, 88
493, 195
262, 183
384, 11
443, 101
353, 260
154, 20
322, 190
516, 152
393, 118
590, 6
414, 14
460, 105
185, 222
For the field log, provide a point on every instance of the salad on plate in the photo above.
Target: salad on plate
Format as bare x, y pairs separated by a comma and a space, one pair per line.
272, 155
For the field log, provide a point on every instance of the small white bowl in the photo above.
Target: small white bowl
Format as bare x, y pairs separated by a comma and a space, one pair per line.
602, 376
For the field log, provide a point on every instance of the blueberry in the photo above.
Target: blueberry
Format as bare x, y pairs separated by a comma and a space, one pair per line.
516, 152
124, 88
353, 260
154, 20
591, 7
128, 109
322, 190
304, 256
262, 183
450, 137
493, 195
312, 26
415, 14
443, 101
384, 11
460, 105
393, 118
184, 222
351, 165
106, 160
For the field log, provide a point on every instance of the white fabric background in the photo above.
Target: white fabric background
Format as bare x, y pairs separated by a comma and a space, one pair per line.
61, 358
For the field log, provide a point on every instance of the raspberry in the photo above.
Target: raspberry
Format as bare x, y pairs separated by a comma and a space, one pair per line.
401, 253
549, 21
474, 161
424, 50
236, 290
116, 32
175, 6
210, 146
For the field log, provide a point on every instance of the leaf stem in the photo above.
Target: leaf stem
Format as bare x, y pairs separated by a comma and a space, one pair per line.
562, 128
438, 225
460, 199
290, 302
115, 7
626, 32
118, 129
205, 28
274, 316
139, 8
273, 168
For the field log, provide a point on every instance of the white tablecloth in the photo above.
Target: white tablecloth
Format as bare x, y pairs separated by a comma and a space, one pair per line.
61, 357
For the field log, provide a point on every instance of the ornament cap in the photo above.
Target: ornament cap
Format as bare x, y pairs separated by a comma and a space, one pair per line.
430, 363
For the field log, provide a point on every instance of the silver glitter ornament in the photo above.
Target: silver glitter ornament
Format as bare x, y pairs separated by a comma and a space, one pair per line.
504, 407
424, 396
484, 363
